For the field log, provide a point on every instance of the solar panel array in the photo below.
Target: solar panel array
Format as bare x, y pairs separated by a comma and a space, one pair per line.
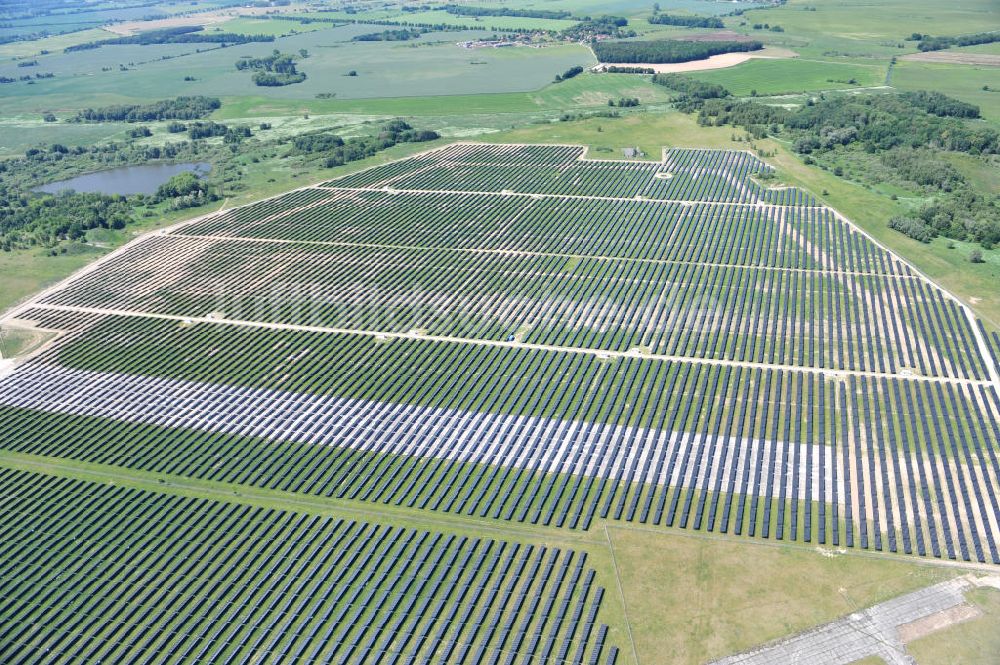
518, 333
97, 573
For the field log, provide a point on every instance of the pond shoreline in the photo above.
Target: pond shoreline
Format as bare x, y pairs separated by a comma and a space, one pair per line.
125, 180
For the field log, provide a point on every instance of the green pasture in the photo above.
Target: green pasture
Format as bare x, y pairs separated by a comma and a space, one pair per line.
964, 82
877, 26
431, 65
972, 642
56, 43
781, 76
495, 110
275, 26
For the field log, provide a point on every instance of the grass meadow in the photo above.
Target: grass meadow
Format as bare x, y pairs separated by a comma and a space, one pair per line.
782, 76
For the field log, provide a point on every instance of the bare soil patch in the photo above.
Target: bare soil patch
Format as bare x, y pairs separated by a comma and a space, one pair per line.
935, 622
714, 62
984, 59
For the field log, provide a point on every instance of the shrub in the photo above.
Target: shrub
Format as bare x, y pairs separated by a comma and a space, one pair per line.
914, 228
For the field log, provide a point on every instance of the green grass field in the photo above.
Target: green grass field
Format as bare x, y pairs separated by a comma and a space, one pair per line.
432, 65
728, 610
274, 26
859, 27
964, 82
975, 642
782, 76
491, 111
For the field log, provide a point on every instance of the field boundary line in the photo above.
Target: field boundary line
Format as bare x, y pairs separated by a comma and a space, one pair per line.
621, 593
601, 353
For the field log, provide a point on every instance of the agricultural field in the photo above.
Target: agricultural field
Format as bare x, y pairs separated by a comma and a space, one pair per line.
431, 65
762, 76
964, 82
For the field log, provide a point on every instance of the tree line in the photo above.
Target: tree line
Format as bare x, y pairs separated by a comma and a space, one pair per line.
929, 43
466, 10
569, 73
686, 21
191, 34
337, 151
667, 50
179, 108
389, 35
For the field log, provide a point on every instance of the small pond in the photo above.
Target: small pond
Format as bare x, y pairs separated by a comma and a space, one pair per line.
125, 180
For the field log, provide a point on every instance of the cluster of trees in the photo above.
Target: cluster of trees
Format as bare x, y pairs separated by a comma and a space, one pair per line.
605, 26
313, 142
624, 102
206, 130
185, 190
883, 122
768, 26
466, 10
941, 105
273, 70
913, 228
966, 215
180, 108
614, 69
389, 36
693, 92
44, 219
757, 119
922, 167
362, 147
928, 43
906, 134
570, 117
667, 50
687, 21
337, 151
569, 73
190, 34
